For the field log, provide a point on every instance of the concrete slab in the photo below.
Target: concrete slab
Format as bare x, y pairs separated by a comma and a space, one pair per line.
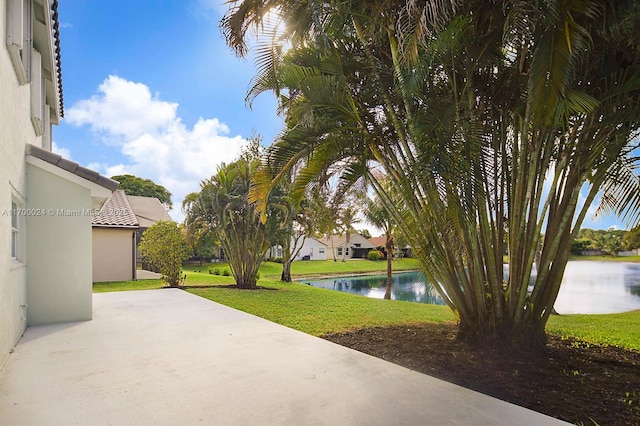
143, 274
167, 357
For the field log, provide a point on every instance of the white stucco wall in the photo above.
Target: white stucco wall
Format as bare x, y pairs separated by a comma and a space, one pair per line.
313, 248
16, 131
59, 249
113, 254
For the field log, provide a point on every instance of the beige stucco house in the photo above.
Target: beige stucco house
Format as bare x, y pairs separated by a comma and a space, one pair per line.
114, 240
46, 201
117, 228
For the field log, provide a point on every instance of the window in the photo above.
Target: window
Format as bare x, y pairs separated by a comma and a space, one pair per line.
15, 232
357, 244
38, 95
339, 251
19, 37
321, 250
347, 251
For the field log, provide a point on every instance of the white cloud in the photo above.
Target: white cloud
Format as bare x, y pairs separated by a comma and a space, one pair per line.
60, 151
153, 138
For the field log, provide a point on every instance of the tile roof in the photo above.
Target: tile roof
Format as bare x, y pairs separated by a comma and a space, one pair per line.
71, 167
148, 210
58, 58
116, 212
378, 241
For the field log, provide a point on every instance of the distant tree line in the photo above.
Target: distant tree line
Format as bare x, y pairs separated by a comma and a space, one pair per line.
610, 241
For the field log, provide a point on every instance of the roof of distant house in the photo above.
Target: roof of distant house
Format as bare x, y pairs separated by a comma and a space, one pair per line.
378, 241
116, 212
148, 210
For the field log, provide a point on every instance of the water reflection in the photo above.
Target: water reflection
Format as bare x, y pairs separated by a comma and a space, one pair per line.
588, 287
599, 288
407, 286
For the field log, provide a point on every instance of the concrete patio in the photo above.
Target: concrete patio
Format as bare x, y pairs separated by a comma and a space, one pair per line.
166, 357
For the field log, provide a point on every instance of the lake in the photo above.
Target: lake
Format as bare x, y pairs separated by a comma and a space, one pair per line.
588, 287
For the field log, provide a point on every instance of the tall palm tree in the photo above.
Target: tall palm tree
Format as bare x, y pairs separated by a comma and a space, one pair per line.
348, 218
235, 221
488, 117
376, 213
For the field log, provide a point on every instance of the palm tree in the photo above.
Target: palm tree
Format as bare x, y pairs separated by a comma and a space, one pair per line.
235, 221
488, 117
376, 213
347, 220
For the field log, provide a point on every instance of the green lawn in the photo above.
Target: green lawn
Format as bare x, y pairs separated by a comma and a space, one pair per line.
612, 329
608, 258
314, 268
317, 311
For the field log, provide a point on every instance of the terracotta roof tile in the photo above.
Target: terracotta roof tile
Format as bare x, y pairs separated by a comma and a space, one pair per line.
116, 212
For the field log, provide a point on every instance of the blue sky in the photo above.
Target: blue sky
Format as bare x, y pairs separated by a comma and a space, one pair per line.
151, 89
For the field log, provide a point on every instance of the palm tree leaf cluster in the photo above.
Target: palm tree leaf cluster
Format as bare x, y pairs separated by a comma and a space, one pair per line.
496, 122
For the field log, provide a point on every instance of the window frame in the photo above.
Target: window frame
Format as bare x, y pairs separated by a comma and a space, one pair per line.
19, 37
16, 231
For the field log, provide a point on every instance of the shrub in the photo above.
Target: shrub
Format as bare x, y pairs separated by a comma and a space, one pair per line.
226, 272
163, 247
214, 271
375, 255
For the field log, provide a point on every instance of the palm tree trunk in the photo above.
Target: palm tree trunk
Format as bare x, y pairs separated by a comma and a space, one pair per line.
389, 246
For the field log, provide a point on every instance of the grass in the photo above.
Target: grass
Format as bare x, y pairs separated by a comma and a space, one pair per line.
609, 329
607, 258
315, 268
318, 311
127, 285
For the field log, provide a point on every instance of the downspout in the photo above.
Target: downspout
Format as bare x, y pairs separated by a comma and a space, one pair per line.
134, 272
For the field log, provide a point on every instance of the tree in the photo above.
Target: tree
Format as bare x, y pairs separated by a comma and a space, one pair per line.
631, 239
133, 185
197, 230
365, 233
488, 117
347, 218
163, 246
376, 213
233, 218
293, 216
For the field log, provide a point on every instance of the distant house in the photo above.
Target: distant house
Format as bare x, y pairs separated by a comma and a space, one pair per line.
357, 248
148, 211
46, 201
381, 243
117, 228
114, 240
312, 249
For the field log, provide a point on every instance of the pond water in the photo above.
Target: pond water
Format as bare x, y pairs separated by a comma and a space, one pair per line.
588, 287
407, 286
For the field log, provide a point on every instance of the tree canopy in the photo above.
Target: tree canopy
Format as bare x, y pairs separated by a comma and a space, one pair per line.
133, 185
489, 117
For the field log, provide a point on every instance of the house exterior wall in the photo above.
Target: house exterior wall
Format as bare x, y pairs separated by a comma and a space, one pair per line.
113, 251
314, 249
17, 131
337, 245
58, 249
